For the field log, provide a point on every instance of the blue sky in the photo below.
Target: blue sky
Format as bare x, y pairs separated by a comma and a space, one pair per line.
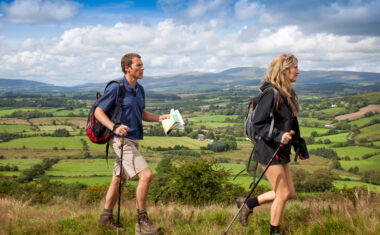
67, 42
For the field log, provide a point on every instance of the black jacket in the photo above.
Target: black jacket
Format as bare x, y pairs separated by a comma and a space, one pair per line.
284, 121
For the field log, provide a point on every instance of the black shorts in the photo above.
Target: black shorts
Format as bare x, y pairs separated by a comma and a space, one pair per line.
264, 151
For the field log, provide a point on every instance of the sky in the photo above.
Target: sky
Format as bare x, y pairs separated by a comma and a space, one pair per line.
67, 42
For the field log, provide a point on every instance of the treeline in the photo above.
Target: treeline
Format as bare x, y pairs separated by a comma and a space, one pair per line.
36, 170
28, 114
52, 101
5, 136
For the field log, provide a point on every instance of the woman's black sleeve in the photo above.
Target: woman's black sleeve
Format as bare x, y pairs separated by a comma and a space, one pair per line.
299, 143
262, 118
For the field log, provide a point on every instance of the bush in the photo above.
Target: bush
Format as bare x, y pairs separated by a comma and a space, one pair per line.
61, 133
36, 170
372, 177
324, 152
193, 181
319, 181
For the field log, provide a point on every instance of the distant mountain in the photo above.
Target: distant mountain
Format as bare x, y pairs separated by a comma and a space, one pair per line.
240, 78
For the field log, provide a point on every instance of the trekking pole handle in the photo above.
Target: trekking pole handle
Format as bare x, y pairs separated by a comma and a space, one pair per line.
121, 140
291, 132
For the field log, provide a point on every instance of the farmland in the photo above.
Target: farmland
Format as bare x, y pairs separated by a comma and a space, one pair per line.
215, 116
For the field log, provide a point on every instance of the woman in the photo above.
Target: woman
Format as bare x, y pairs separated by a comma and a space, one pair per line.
282, 71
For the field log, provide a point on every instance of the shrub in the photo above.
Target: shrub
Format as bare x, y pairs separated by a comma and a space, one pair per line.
319, 181
372, 177
193, 181
61, 133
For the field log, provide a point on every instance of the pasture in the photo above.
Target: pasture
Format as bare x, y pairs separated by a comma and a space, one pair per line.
370, 132
171, 141
16, 128
342, 137
212, 118
371, 163
350, 184
44, 143
306, 131
365, 120
354, 151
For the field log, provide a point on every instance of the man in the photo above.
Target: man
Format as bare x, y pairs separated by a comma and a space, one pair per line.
129, 125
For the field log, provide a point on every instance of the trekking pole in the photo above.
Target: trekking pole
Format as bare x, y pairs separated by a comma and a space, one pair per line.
253, 188
121, 171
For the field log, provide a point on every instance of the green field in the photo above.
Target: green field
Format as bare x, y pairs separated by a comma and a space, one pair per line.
362, 121
85, 167
55, 127
342, 137
22, 164
334, 111
350, 184
370, 133
15, 128
169, 141
371, 163
209, 125
44, 143
8, 111
212, 118
91, 181
354, 151
306, 131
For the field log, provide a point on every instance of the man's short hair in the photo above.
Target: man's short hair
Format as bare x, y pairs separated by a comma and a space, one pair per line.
126, 60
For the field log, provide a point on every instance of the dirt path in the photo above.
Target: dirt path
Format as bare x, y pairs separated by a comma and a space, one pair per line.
375, 108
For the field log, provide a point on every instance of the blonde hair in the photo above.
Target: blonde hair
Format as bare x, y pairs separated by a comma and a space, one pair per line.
275, 74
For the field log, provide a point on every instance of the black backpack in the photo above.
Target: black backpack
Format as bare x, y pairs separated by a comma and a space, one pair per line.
95, 131
249, 130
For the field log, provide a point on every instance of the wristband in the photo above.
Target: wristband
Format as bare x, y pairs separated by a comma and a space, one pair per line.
115, 126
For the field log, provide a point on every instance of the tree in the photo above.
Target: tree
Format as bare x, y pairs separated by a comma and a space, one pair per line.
61, 133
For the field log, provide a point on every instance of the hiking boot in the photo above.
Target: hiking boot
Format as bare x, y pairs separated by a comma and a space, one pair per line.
145, 226
107, 221
244, 213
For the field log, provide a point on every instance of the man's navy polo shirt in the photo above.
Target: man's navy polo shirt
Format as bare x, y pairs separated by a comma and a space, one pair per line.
131, 107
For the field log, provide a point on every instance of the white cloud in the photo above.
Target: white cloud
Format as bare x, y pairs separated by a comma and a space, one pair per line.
40, 11
245, 9
92, 53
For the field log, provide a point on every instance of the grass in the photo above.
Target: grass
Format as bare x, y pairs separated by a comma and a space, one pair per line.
55, 127
169, 141
342, 137
212, 118
354, 151
350, 184
44, 143
214, 125
370, 133
334, 111
327, 214
362, 121
17, 128
21, 163
371, 163
306, 131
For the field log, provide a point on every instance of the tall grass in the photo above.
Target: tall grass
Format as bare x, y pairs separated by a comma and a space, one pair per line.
355, 212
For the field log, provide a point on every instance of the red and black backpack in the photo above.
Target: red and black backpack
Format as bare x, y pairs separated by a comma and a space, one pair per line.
95, 131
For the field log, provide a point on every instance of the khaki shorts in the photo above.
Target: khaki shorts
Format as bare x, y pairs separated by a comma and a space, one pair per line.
133, 162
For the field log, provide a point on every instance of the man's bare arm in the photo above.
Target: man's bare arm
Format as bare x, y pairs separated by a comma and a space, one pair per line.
150, 117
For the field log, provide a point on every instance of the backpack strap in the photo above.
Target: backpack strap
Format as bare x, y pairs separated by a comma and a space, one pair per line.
271, 115
120, 97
